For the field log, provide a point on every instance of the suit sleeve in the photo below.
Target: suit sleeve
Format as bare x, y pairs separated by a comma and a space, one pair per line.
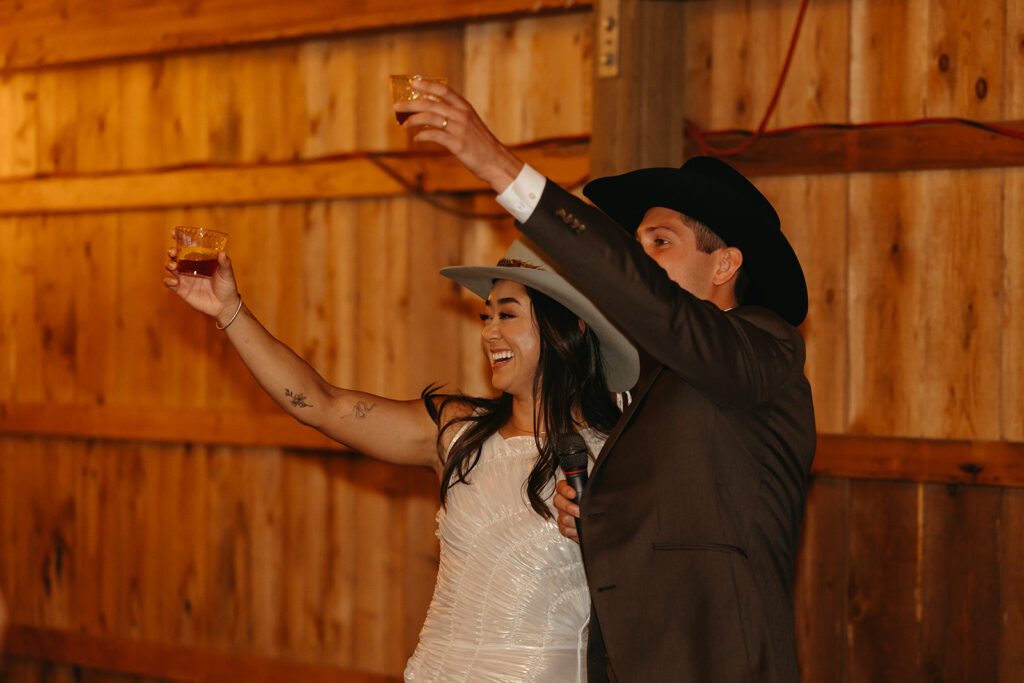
741, 357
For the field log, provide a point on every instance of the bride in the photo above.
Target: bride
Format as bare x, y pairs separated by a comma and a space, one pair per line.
511, 601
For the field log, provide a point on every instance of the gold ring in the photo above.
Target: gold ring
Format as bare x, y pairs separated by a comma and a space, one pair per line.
444, 124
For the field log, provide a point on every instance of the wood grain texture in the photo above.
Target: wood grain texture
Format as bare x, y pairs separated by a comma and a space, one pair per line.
884, 606
352, 177
504, 58
637, 117
967, 51
1012, 370
821, 583
277, 104
932, 298
814, 91
1012, 389
814, 215
991, 463
886, 257
177, 520
19, 99
961, 312
253, 541
888, 68
38, 34
141, 658
917, 605
1010, 560
232, 552
961, 605
748, 48
994, 463
885, 146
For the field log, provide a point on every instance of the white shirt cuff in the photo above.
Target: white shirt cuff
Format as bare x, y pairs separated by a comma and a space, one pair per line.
522, 196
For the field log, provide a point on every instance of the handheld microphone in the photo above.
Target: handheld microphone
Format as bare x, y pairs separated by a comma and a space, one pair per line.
571, 450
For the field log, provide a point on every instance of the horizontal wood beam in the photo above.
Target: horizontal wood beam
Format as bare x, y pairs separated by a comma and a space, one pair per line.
941, 144
350, 176
931, 146
168, 661
37, 34
129, 423
995, 463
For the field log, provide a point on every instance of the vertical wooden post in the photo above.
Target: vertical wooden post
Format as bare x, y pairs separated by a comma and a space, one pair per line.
638, 114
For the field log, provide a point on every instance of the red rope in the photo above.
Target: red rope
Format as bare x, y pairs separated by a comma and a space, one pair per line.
378, 159
697, 134
701, 136
990, 127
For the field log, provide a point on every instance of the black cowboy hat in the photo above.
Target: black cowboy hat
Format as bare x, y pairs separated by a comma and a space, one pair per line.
714, 193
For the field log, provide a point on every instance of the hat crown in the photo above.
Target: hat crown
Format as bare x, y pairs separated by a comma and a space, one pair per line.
519, 255
741, 198
714, 193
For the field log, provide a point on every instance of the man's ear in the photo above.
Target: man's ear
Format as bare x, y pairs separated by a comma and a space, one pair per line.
729, 261
583, 325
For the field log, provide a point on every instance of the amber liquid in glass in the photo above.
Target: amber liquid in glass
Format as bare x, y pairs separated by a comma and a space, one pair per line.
197, 261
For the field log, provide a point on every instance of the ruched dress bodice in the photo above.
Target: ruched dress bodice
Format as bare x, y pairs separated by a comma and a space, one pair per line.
511, 600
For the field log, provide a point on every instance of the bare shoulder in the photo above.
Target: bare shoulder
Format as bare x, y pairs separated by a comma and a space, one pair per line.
454, 413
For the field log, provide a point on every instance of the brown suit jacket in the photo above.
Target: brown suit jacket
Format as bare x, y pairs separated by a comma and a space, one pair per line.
691, 517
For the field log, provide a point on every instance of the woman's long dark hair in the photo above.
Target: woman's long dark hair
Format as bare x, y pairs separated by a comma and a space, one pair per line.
569, 381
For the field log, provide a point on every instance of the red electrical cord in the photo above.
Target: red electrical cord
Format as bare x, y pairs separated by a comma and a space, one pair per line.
433, 200
990, 127
700, 136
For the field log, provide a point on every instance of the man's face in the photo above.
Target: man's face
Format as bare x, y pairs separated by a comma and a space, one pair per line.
666, 237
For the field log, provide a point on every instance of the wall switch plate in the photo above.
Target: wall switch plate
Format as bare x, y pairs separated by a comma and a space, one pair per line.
609, 13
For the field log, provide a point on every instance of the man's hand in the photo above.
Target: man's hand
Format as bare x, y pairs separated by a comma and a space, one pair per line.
568, 511
453, 123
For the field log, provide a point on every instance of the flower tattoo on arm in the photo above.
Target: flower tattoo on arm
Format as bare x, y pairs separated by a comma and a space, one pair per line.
298, 400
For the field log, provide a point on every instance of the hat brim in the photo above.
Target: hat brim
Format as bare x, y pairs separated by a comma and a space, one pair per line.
741, 216
620, 360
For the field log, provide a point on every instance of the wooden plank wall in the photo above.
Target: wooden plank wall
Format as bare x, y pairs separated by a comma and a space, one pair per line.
233, 546
162, 551
914, 329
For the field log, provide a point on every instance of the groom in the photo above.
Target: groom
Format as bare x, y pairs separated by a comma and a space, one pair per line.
690, 521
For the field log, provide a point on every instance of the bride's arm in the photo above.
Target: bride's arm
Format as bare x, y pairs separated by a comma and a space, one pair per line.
387, 429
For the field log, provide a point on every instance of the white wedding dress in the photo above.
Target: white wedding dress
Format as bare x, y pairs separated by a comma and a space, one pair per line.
511, 600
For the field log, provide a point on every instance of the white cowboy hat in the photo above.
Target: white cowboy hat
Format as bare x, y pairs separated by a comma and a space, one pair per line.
524, 264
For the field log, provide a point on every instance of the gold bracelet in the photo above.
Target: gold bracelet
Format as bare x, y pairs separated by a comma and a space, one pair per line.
217, 324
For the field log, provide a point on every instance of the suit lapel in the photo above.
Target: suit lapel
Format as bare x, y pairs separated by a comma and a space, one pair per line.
647, 377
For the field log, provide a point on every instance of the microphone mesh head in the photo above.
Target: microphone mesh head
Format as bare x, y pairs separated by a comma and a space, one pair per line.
572, 452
